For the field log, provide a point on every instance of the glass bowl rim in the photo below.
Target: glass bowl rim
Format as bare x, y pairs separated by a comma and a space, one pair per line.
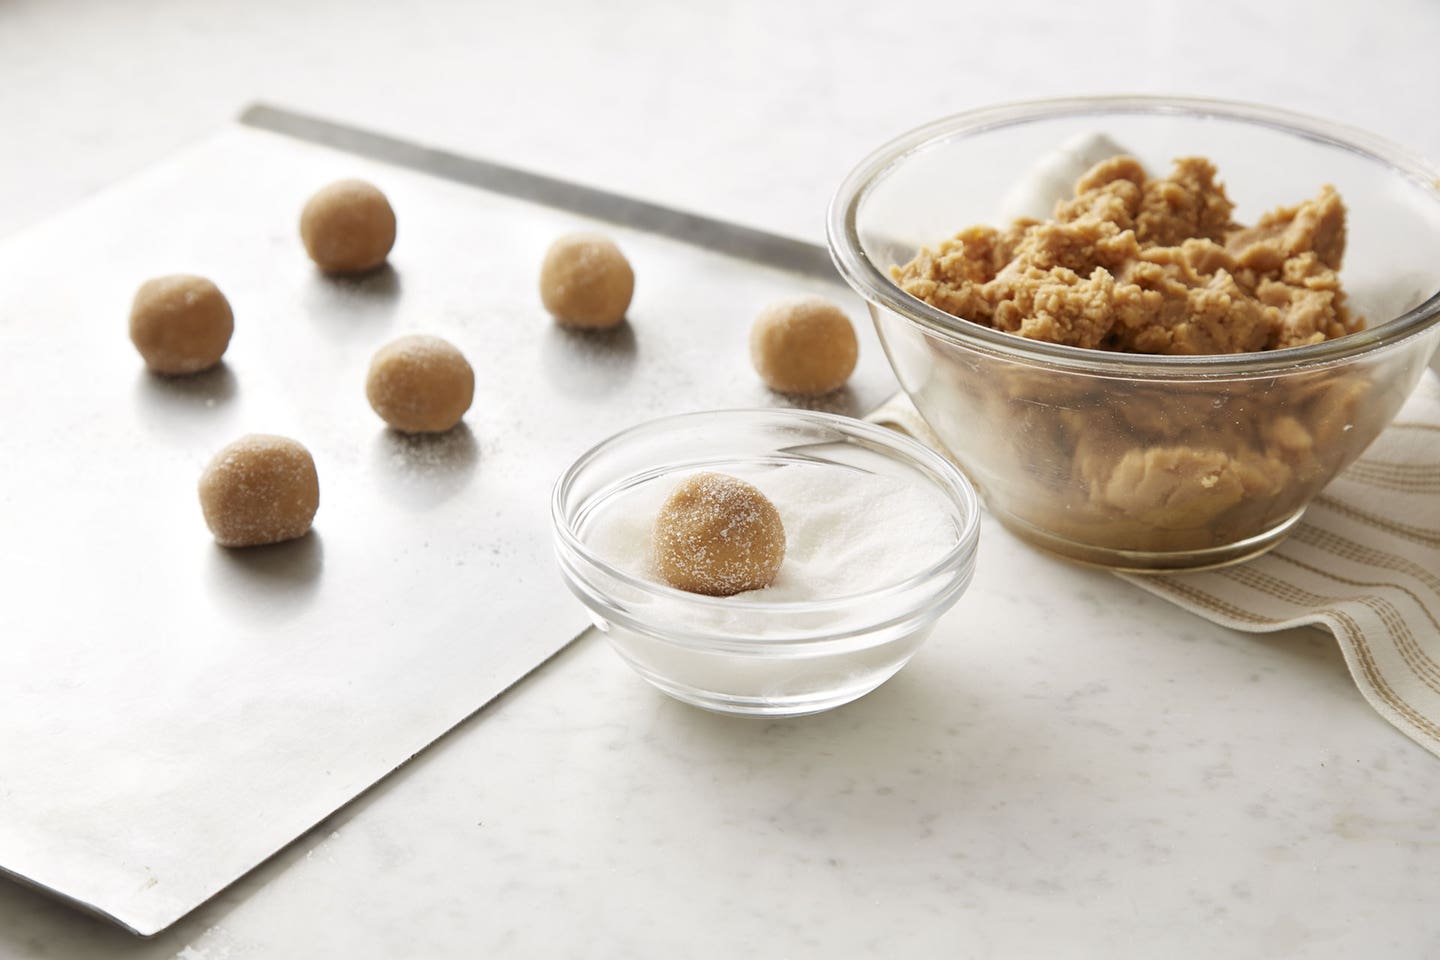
877, 288
895, 444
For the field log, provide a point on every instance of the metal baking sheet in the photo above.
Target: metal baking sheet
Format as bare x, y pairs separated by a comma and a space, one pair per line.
172, 713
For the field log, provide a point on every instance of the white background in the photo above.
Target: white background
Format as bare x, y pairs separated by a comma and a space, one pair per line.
1071, 769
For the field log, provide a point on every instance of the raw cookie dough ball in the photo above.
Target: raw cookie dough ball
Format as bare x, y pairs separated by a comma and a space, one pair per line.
586, 281
260, 489
348, 227
180, 324
718, 536
803, 346
420, 384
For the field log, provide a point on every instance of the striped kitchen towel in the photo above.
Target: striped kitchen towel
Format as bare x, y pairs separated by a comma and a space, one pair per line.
1364, 564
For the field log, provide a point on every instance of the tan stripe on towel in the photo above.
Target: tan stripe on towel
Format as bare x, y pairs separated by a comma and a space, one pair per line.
1432, 665
1414, 657
1430, 538
1332, 542
1425, 478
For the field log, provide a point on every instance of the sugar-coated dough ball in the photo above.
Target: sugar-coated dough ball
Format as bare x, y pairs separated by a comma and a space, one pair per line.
260, 489
180, 324
420, 384
586, 281
348, 227
803, 346
718, 536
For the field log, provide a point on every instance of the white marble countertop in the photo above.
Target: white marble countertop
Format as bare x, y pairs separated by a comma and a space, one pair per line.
1071, 768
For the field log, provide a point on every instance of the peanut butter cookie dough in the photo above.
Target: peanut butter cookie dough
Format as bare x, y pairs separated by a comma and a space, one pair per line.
719, 536
586, 282
804, 346
348, 227
258, 490
1149, 266
1177, 465
420, 384
180, 324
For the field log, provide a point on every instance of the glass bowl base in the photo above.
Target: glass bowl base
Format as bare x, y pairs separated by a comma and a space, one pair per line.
1152, 562
794, 706
763, 688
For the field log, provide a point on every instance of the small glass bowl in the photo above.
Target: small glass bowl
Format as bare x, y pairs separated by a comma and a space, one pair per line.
706, 651
1138, 461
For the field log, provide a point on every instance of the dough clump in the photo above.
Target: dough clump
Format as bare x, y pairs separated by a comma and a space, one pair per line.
717, 535
420, 384
586, 282
260, 489
1138, 265
1150, 266
180, 324
348, 227
804, 346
